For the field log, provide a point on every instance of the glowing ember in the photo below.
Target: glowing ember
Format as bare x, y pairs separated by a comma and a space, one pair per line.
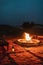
27, 37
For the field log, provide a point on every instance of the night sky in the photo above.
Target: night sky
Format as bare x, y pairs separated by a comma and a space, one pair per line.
14, 12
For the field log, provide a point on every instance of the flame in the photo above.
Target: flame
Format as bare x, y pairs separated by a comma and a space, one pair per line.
12, 50
27, 37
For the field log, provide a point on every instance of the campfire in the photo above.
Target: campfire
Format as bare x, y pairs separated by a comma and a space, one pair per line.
27, 41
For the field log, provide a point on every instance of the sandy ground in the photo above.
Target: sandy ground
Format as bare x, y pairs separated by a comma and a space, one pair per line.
21, 55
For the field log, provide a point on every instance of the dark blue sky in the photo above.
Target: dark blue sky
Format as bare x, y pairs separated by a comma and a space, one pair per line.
14, 12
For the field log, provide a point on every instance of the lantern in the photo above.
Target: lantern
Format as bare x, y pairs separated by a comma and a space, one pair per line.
12, 48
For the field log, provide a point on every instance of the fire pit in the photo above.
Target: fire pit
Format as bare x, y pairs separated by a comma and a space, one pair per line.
28, 41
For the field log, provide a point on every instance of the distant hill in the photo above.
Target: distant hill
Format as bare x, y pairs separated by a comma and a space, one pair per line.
36, 29
9, 30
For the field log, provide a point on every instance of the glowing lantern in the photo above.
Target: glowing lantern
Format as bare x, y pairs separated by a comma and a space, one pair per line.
12, 48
